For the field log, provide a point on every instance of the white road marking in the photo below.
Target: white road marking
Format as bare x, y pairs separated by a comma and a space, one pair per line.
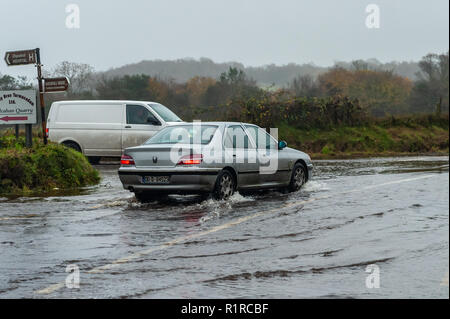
9, 218
238, 221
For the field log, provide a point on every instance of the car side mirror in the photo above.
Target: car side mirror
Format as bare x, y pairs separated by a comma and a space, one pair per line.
281, 145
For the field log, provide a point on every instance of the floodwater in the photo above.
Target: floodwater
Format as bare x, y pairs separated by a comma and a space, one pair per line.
386, 216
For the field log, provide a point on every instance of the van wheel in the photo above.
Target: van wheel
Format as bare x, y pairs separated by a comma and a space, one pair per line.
72, 145
225, 186
94, 159
298, 178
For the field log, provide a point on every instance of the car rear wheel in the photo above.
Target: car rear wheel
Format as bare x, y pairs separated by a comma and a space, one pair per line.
298, 177
225, 186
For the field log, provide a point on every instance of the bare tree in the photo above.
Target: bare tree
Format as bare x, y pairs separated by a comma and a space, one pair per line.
8, 82
304, 85
431, 88
80, 76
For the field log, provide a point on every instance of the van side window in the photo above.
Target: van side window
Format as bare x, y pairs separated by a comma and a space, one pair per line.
137, 114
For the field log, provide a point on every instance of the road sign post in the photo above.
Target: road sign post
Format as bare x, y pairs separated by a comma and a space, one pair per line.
28, 135
47, 85
54, 85
20, 57
34, 57
19, 107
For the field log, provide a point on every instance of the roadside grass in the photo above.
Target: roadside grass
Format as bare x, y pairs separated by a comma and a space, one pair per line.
42, 168
371, 140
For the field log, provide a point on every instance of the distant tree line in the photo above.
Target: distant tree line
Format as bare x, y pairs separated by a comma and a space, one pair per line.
182, 70
341, 95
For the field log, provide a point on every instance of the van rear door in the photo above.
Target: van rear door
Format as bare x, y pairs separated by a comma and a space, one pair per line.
140, 125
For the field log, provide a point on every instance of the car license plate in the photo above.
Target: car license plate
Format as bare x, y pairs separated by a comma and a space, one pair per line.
155, 179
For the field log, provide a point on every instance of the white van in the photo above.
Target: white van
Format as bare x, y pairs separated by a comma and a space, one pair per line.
105, 128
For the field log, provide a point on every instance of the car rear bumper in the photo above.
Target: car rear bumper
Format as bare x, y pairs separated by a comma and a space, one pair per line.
181, 180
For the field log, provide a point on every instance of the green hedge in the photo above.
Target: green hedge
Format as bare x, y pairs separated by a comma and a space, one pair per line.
42, 168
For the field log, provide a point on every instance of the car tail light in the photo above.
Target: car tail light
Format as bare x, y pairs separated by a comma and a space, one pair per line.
192, 159
126, 160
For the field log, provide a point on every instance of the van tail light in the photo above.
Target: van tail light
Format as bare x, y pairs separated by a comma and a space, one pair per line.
193, 159
46, 132
126, 160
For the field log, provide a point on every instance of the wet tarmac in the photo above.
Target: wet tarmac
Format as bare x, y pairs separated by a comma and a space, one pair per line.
318, 243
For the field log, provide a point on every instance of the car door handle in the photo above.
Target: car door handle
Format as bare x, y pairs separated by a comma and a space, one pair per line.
128, 126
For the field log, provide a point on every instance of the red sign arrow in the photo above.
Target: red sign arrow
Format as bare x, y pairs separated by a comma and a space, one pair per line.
14, 118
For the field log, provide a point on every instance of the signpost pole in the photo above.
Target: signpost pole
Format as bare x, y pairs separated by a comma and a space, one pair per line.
41, 95
17, 131
28, 135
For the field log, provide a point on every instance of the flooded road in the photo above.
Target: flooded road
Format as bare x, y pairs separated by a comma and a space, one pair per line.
389, 212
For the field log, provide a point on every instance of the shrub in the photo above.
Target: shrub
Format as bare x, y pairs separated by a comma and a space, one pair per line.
42, 168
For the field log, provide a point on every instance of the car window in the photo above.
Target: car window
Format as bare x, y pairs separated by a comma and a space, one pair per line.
184, 134
261, 137
138, 114
235, 137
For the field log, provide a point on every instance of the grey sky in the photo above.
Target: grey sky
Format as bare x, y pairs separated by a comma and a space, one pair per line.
254, 32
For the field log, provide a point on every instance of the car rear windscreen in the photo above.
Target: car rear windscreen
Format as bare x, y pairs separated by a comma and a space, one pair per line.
184, 134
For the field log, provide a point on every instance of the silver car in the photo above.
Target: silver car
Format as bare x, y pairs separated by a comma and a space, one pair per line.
215, 158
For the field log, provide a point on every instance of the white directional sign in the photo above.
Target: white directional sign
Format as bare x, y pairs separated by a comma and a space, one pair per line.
18, 107
20, 57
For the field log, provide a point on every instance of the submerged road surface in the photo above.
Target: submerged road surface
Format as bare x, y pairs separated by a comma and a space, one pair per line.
375, 228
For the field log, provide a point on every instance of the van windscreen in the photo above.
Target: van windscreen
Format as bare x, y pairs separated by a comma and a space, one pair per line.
166, 114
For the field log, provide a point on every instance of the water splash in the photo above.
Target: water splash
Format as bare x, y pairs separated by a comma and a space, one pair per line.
218, 208
315, 186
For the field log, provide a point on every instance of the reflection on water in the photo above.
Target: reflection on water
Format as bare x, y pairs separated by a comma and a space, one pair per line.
392, 212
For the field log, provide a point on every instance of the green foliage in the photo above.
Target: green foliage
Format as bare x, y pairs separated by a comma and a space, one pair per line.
300, 112
378, 92
41, 168
372, 87
405, 135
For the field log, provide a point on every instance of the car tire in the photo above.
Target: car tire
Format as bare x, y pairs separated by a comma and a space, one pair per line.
298, 177
225, 186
